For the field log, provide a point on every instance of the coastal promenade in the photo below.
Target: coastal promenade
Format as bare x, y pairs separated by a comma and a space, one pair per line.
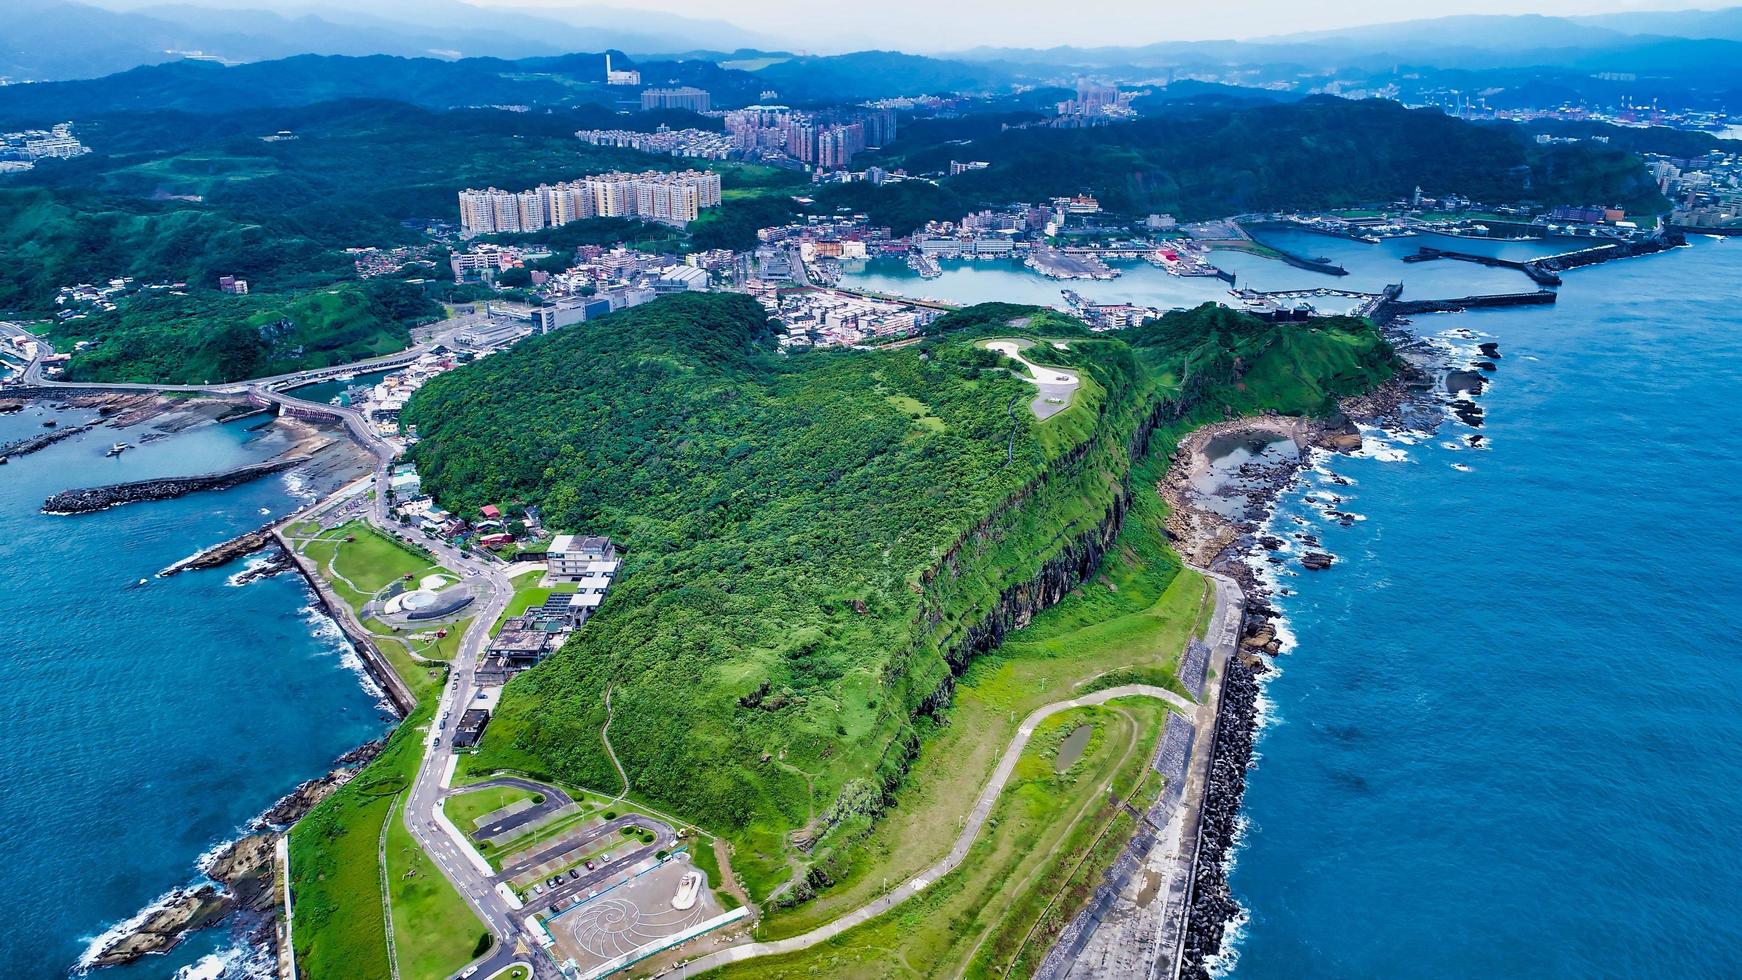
1142, 933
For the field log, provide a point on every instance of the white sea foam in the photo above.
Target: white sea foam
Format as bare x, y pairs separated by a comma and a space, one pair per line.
240, 962
254, 565
1387, 445
324, 628
96, 944
1227, 956
298, 484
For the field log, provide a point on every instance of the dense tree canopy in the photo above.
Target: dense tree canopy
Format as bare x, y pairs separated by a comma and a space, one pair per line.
812, 540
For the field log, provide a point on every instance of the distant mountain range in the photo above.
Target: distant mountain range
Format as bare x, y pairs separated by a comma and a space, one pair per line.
1460, 42
1690, 59
45, 40
48, 40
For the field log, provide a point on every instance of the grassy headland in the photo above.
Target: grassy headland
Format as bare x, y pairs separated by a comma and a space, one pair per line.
351, 856
816, 570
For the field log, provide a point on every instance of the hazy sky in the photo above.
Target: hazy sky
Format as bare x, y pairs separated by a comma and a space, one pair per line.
930, 25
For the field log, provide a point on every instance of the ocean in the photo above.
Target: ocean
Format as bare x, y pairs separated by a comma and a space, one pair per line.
1503, 742
151, 722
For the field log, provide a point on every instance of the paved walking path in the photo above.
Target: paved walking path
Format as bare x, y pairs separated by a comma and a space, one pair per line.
964, 841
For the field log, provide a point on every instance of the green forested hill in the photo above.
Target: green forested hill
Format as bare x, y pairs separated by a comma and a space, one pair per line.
1211, 161
816, 543
209, 337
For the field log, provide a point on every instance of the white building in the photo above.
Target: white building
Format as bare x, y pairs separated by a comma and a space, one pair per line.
575, 558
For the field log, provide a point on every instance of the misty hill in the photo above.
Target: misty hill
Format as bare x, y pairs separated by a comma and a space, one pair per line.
49, 40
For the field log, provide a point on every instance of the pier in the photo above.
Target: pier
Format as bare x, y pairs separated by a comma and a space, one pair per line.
1539, 273
1390, 307
1057, 264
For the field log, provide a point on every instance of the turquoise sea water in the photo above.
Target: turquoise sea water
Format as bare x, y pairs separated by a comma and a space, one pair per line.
1370, 267
1505, 741
147, 723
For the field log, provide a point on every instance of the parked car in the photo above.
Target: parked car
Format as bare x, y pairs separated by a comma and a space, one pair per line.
589, 865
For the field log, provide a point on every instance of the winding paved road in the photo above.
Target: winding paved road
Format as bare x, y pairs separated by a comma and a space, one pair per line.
421, 809
964, 841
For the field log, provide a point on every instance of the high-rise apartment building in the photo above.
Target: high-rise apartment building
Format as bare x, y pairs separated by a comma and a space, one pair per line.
687, 97
671, 198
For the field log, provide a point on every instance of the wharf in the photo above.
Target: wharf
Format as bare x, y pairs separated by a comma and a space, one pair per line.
1056, 264
1390, 307
1534, 268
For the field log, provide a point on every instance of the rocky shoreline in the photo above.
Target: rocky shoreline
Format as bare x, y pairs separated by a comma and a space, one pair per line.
238, 878
1212, 904
1418, 398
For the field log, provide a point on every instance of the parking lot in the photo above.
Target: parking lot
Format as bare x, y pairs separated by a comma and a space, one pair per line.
640, 911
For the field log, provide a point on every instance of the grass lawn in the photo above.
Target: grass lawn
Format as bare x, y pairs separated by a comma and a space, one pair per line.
1244, 245
465, 809
424, 679
440, 648
1127, 625
360, 568
373, 560
1044, 834
433, 930
336, 879
335, 871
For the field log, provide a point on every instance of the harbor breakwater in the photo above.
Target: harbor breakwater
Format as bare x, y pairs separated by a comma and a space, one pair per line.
88, 500
1211, 905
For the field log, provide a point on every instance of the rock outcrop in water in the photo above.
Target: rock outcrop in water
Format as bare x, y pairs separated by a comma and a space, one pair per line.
241, 874
229, 551
24, 447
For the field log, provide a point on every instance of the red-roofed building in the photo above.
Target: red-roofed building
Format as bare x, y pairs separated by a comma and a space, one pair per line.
490, 511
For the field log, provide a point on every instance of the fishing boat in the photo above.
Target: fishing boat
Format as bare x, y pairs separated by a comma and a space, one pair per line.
117, 449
